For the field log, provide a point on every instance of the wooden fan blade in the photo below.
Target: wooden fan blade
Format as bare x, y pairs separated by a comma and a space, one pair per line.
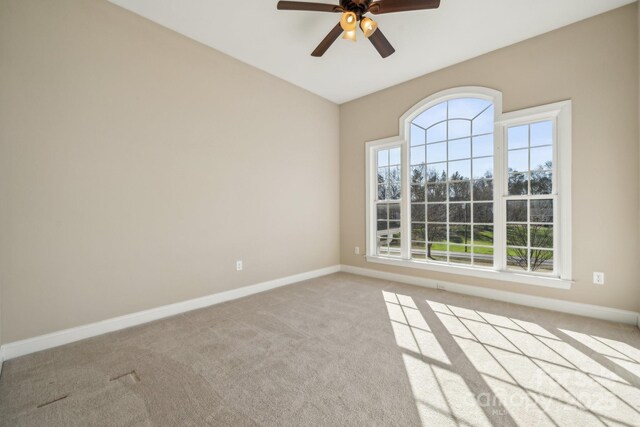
380, 42
328, 41
391, 6
314, 7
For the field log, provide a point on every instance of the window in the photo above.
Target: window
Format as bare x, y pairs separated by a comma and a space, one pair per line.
451, 177
388, 232
468, 190
530, 200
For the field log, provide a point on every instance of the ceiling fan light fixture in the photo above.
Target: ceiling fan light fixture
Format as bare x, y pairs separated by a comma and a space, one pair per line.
353, 11
368, 26
350, 35
349, 21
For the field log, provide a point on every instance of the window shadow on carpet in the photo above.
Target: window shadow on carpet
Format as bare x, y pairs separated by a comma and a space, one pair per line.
469, 367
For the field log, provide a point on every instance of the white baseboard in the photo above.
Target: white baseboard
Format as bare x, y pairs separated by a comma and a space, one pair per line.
587, 310
55, 339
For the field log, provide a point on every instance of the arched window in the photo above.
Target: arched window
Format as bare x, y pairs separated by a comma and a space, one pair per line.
467, 189
451, 178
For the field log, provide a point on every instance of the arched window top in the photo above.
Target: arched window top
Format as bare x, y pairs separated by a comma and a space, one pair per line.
474, 107
456, 118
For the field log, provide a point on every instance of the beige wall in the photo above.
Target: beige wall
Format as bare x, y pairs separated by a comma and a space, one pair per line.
595, 64
137, 166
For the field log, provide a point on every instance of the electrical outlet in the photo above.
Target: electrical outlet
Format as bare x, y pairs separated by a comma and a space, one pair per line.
239, 265
356, 250
598, 278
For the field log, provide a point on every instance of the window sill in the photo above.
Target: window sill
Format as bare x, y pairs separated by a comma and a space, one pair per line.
507, 276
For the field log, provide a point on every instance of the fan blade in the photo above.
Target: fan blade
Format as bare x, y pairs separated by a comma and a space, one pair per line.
380, 42
314, 7
328, 41
391, 6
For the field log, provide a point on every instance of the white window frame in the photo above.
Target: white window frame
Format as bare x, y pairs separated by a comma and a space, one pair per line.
560, 114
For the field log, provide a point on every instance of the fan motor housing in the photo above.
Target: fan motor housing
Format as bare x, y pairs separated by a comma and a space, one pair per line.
359, 7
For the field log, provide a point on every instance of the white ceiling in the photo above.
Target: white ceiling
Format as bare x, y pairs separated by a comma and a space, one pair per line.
280, 42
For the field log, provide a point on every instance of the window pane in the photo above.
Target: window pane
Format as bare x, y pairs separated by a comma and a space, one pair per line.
418, 135
460, 170
460, 254
541, 182
518, 137
518, 184
483, 146
483, 213
433, 115
436, 233
483, 189
541, 158
394, 157
516, 211
484, 122
437, 133
437, 192
541, 236
460, 234
517, 259
437, 212
383, 175
459, 129
417, 193
483, 256
437, 252
394, 211
417, 212
417, 155
382, 191
437, 152
466, 108
518, 161
418, 231
382, 225
437, 172
383, 158
483, 235
460, 191
517, 235
483, 168
542, 133
542, 210
460, 149
395, 243
417, 174
394, 174
541, 261
394, 182
392, 192
460, 212
394, 226
382, 211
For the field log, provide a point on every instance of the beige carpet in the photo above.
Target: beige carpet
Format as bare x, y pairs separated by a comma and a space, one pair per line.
338, 350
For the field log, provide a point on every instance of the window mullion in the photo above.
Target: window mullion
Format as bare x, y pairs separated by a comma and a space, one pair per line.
500, 176
405, 206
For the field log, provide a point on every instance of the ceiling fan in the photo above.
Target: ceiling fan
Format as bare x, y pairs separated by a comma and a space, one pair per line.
353, 11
